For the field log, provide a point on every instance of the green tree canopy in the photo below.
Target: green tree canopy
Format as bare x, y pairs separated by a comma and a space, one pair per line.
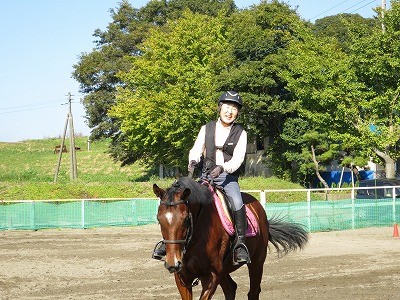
341, 26
328, 97
174, 79
376, 59
169, 92
97, 71
155, 74
256, 37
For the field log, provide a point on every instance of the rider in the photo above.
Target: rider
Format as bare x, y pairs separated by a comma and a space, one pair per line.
222, 144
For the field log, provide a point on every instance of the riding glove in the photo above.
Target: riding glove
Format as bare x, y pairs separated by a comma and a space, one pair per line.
191, 166
216, 172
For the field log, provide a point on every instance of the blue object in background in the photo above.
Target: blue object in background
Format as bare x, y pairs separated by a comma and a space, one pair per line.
333, 177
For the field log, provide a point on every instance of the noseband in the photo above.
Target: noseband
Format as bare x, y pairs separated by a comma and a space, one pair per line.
189, 224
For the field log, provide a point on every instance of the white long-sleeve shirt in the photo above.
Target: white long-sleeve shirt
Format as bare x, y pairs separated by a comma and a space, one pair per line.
221, 134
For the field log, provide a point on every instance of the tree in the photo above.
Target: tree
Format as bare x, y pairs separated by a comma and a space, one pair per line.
327, 94
256, 37
340, 27
169, 92
307, 150
376, 59
97, 71
259, 37
352, 97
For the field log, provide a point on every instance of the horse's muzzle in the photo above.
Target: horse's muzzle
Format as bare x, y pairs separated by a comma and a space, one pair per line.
173, 269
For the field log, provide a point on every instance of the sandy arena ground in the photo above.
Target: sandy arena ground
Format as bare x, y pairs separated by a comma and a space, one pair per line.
115, 263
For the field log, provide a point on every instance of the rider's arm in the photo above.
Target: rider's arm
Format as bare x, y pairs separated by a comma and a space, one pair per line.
199, 145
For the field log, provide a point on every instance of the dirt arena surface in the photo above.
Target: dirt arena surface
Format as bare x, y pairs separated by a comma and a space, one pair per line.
115, 263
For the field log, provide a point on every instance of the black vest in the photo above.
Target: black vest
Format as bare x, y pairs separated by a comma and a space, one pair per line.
227, 148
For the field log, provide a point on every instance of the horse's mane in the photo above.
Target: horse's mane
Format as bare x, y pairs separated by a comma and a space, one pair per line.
198, 193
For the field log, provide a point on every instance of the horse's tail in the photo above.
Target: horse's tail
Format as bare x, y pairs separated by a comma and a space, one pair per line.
286, 236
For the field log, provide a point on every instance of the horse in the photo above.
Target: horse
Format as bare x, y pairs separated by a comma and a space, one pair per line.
198, 248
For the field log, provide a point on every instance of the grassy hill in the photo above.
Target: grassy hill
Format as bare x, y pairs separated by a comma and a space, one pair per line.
27, 171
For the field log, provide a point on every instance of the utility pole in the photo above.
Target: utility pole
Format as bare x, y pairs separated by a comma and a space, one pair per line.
72, 150
383, 6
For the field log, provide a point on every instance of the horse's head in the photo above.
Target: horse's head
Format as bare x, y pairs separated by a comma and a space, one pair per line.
175, 221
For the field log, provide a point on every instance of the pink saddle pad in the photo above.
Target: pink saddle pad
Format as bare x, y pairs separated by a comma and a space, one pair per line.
252, 224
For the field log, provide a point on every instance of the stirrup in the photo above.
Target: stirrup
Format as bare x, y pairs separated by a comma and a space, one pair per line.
244, 258
159, 251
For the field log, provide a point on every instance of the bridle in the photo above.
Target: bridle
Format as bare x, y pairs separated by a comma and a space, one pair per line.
188, 222
189, 233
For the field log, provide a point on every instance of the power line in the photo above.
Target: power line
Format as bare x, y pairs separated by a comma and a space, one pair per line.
358, 7
27, 109
329, 9
31, 104
346, 9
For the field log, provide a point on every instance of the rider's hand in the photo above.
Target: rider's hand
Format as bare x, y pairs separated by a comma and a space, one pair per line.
191, 166
216, 172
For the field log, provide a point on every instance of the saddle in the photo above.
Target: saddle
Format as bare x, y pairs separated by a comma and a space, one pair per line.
224, 212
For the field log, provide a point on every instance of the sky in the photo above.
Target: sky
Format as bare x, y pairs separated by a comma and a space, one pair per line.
41, 40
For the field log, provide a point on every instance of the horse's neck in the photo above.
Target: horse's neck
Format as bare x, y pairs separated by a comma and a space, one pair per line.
210, 242
205, 219
200, 213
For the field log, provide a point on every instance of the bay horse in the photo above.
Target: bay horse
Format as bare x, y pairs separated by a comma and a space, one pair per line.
198, 248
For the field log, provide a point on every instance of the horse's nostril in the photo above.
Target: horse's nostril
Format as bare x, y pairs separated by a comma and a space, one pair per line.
170, 269
173, 269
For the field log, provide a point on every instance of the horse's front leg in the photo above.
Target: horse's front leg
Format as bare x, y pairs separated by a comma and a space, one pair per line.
228, 286
184, 287
209, 284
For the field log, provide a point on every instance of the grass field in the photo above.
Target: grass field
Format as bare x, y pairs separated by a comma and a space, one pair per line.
27, 172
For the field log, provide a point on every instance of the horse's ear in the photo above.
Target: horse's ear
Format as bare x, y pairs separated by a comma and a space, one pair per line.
185, 194
158, 191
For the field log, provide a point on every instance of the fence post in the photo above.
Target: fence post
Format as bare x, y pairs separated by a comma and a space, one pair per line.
263, 198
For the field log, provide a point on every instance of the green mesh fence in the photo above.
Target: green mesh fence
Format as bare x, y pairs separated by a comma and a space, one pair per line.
314, 215
77, 214
338, 214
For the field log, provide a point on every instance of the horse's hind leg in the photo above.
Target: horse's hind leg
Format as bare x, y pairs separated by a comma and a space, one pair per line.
228, 286
255, 274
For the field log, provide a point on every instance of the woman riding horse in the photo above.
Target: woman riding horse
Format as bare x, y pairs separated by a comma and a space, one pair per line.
222, 145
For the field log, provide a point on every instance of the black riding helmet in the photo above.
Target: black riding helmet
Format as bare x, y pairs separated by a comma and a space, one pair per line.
231, 96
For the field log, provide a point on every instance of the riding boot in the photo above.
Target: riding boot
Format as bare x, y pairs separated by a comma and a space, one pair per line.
159, 251
240, 251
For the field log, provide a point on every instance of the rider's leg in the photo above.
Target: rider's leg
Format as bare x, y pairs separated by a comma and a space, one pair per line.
232, 189
241, 253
